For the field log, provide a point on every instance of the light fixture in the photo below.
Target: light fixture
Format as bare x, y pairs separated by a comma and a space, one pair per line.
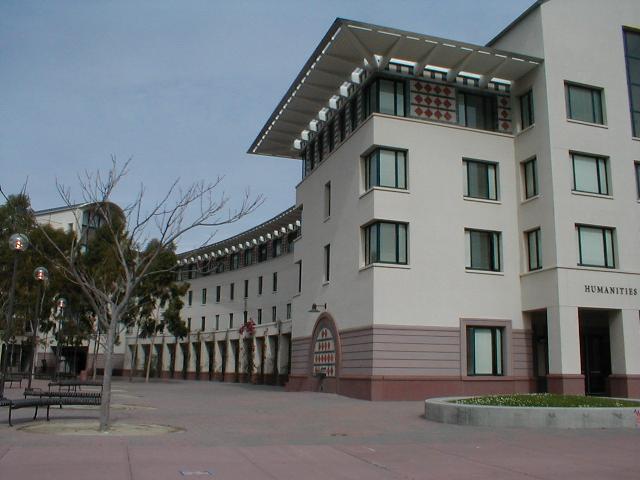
314, 307
18, 242
41, 274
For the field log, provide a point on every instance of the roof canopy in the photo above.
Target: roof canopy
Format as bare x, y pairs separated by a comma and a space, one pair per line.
349, 46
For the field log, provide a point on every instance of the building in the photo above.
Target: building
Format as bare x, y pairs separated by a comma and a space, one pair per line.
470, 218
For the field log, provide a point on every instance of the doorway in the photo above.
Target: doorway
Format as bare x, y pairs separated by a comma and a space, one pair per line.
595, 350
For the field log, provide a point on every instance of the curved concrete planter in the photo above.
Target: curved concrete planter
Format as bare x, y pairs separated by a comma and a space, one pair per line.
442, 410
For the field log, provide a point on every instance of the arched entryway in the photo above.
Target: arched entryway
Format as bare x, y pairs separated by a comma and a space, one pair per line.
325, 354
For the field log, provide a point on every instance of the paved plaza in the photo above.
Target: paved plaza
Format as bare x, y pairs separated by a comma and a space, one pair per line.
238, 431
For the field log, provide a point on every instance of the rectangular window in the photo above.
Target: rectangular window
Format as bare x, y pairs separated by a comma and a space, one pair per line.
218, 293
331, 135
342, 123
189, 324
530, 171
274, 314
288, 311
262, 252
320, 146
245, 317
260, 285
190, 298
248, 257
202, 324
534, 249
232, 291
259, 316
275, 281
477, 111
485, 351
327, 262
299, 276
246, 288
234, 262
353, 110
483, 250
385, 96
231, 320
584, 103
526, 110
386, 168
632, 56
595, 246
480, 179
204, 296
276, 246
217, 322
386, 242
327, 200
637, 165
590, 174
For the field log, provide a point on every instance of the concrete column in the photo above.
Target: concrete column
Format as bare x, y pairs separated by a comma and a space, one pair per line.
283, 358
192, 360
624, 334
230, 363
177, 369
217, 360
269, 352
563, 330
204, 361
166, 358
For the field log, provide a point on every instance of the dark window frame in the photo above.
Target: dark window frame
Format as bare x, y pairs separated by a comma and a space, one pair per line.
372, 96
635, 113
525, 175
598, 159
374, 157
498, 368
600, 99
495, 253
496, 178
609, 263
536, 233
527, 115
327, 263
489, 110
367, 239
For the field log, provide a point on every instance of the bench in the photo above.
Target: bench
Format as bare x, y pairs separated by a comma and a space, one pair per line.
36, 398
11, 378
75, 384
80, 396
27, 403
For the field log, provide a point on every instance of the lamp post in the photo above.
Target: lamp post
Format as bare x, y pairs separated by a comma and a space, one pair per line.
41, 275
17, 243
61, 304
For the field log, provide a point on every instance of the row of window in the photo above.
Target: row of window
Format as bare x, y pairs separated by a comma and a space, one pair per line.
245, 314
386, 242
232, 290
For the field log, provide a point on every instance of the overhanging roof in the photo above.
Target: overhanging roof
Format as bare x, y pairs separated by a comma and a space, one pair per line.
349, 45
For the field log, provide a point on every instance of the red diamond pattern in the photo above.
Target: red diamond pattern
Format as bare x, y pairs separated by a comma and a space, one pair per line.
438, 102
419, 111
505, 125
447, 116
418, 98
438, 114
418, 86
429, 101
446, 91
447, 104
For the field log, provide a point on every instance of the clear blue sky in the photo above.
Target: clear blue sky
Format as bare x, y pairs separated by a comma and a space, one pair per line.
183, 87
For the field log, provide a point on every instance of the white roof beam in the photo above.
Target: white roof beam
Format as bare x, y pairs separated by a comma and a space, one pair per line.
424, 60
350, 62
458, 67
486, 78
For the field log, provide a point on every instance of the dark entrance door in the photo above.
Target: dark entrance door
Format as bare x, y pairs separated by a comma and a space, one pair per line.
596, 361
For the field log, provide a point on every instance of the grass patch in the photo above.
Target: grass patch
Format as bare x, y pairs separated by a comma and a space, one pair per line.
548, 400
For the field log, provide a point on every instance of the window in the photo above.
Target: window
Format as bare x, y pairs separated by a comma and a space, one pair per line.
275, 281
189, 324
327, 200
260, 285
231, 320
218, 293
204, 296
276, 246
234, 261
331, 135
259, 316
530, 171
299, 276
246, 288
217, 322
190, 298
385, 96
637, 165
526, 110
327, 262
245, 317
232, 291
584, 103
202, 324
485, 351
480, 180
534, 249
288, 311
595, 245
248, 257
342, 124
590, 174
386, 168
477, 111
219, 267
274, 313
262, 252
320, 146
386, 242
353, 110
632, 55
483, 250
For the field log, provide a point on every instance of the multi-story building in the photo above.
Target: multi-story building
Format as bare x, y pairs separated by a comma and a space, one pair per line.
471, 219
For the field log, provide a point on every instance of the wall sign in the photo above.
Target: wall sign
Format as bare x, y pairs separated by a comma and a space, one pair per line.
609, 290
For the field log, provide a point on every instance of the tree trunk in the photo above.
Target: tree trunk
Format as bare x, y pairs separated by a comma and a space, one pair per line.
96, 348
105, 404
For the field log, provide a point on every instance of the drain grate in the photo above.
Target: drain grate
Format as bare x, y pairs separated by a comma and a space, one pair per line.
196, 473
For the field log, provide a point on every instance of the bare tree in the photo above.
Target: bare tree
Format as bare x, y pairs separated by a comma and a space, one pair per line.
128, 232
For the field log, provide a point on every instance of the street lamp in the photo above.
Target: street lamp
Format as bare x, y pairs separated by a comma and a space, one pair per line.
41, 275
18, 242
61, 303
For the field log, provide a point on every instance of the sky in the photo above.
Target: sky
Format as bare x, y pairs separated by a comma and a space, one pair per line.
180, 87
